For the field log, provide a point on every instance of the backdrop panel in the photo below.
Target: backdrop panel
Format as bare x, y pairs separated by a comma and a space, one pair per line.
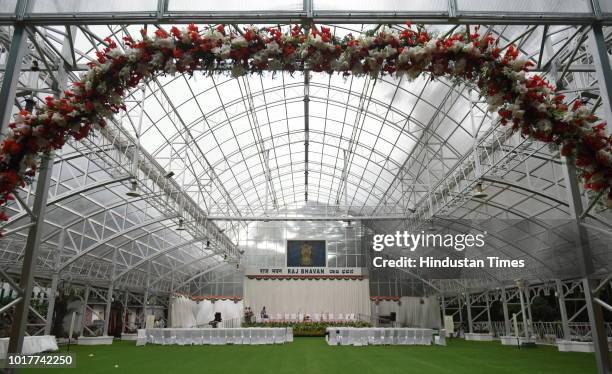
307, 296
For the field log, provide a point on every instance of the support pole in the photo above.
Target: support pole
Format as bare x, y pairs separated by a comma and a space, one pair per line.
567, 334
489, 314
599, 51
85, 301
54, 282
460, 310
528, 306
469, 313
507, 327
11, 75
125, 310
586, 267
28, 268
523, 313
109, 293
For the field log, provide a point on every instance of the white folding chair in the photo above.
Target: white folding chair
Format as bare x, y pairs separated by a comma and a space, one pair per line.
289, 334
418, 336
287, 317
206, 336
141, 338
341, 317
330, 317
258, 336
217, 336
300, 317
375, 337
410, 337
293, 317
168, 337
316, 317
279, 335
388, 337
332, 336
441, 338
269, 336
402, 337
279, 317
325, 317
346, 337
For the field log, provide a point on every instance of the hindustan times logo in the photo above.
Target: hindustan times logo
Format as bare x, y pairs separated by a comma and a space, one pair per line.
458, 242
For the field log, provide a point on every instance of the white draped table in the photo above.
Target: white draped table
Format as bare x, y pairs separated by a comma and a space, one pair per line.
199, 336
378, 336
31, 345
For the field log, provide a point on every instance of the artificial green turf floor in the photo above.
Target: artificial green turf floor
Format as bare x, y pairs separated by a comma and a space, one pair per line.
313, 355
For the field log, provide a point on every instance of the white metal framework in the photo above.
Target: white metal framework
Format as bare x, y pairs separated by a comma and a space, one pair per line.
213, 154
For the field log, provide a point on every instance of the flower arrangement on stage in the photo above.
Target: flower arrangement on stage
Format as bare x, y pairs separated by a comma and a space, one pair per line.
525, 102
309, 328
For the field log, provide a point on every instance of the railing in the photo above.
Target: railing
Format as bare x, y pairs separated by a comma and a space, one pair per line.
545, 332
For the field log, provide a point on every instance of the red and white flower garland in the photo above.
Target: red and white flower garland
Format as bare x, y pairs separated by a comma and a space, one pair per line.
525, 102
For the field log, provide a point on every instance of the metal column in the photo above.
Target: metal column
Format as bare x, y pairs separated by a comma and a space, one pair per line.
85, 301
54, 282
489, 313
585, 264
109, 294
567, 334
523, 312
507, 329
469, 313
11, 75
30, 254
598, 49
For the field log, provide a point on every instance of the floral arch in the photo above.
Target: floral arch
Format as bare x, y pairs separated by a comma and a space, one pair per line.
526, 102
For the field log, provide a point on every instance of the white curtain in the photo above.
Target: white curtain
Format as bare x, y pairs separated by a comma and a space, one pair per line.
189, 313
420, 312
307, 296
412, 311
182, 312
205, 313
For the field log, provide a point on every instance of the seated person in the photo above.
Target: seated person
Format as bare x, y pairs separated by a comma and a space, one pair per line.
264, 313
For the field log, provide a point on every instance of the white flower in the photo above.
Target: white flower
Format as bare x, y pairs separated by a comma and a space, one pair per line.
542, 108
273, 47
544, 125
240, 42
456, 46
222, 52
568, 117
165, 43
58, 118
518, 64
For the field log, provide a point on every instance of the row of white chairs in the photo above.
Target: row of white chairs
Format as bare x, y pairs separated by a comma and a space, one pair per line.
315, 317
219, 336
379, 336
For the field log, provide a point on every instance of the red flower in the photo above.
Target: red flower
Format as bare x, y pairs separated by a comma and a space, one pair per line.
221, 29
161, 33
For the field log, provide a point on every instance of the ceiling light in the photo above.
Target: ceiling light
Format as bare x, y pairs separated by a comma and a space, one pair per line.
431, 226
133, 192
181, 223
479, 193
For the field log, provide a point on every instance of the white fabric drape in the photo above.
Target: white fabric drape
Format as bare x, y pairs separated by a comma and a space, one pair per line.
307, 296
182, 312
188, 313
412, 312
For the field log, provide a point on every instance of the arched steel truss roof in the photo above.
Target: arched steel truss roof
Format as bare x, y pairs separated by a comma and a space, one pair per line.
380, 147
